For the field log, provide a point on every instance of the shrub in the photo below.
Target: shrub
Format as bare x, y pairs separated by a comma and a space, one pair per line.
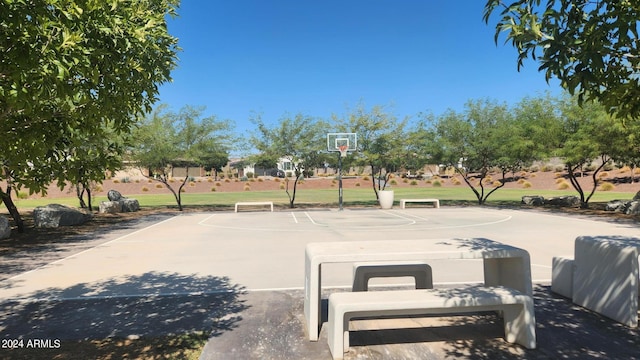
559, 168
159, 186
534, 168
218, 183
145, 189
365, 178
560, 180
260, 180
526, 184
607, 186
563, 185
625, 169
357, 184
405, 180
456, 181
247, 187
213, 189
116, 181
413, 182
436, 183
282, 186
125, 180
521, 181
227, 180
192, 184
209, 180
98, 188
393, 182
22, 195
250, 175
546, 168
603, 174
137, 181
496, 183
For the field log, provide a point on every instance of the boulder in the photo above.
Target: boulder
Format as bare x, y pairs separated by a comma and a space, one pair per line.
632, 207
563, 201
616, 205
55, 215
534, 200
110, 207
5, 229
130, 205
114, 195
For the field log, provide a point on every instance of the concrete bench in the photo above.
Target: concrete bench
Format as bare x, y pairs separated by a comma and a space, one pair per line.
562, 270
515, 307
363, 272
254, 203
435, 202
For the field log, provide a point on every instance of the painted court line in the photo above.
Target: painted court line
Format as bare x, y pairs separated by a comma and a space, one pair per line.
90, 249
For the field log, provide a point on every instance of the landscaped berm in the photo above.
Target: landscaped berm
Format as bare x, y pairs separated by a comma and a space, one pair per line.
618, 180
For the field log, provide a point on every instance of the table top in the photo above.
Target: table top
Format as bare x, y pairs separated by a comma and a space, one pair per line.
456, 248
612, 240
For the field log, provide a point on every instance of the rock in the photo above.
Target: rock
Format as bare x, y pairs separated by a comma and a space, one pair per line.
130, 205
632, 208
110, 207
534, 200
616, 205
114, 195
5, 229
563, 201
55, 215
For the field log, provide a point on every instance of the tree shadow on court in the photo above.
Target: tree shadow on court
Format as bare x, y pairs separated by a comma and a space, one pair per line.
149, 305
40, 246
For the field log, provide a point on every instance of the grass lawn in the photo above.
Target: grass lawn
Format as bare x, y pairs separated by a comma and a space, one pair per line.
324, 197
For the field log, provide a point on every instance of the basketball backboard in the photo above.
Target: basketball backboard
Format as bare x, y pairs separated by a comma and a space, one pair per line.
337, 140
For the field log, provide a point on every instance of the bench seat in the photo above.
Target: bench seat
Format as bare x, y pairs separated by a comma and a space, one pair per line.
254, 203
435, 202
516, 308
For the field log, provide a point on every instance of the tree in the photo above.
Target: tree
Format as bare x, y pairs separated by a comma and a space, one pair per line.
483, 138
590, 46
381, 141
68, 68
166, 139
298, 139
589, 134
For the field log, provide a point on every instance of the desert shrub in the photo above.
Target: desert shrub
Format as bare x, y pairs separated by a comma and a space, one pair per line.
116, 181
496, 183
532, 175
526, 184
213, 188
603, 174
145, 189
218, 183
357, 184
559, 168
137, 181
393, 182
558, 174
413, 182
560, 180
192, 184
607, 186
98, 188
590, 167
159, 186
250, 175
22, 195
546, 168
405, 180
521, 181
276, 179
563, 185
260, 180
534, 168
125, 180
456, 181
247, 187
365, 178
608, 166
436, 183
209, 180
149, 181
282, 186
625, 169
227, 180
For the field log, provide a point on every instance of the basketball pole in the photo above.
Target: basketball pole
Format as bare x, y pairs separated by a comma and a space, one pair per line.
340, 180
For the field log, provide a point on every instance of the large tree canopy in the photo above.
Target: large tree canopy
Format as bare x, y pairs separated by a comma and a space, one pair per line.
72, 70
590, 46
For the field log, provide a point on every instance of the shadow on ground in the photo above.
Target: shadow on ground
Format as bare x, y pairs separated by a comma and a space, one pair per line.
164, 304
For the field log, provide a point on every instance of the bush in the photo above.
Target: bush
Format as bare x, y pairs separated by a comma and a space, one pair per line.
145, 189
250, 175
563, 185
413, 182
393, 182
607, 186
526, 184
357, 184
365, 178
22, 195
159, 186
125, 180
213, 189
436, 183
247, 187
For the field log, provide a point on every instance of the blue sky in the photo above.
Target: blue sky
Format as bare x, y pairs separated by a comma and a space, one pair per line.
278, 57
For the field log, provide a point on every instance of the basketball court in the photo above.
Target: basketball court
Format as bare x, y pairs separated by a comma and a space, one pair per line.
240, 276
264, 251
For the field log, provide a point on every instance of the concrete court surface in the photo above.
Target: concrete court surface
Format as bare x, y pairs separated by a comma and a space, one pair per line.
233, 272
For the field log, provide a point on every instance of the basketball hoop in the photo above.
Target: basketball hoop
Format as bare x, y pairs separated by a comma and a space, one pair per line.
343, 150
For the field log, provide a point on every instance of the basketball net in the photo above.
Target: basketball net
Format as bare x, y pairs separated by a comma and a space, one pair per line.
343, 150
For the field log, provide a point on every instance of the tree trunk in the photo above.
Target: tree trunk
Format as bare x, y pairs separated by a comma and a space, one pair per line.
13, 210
